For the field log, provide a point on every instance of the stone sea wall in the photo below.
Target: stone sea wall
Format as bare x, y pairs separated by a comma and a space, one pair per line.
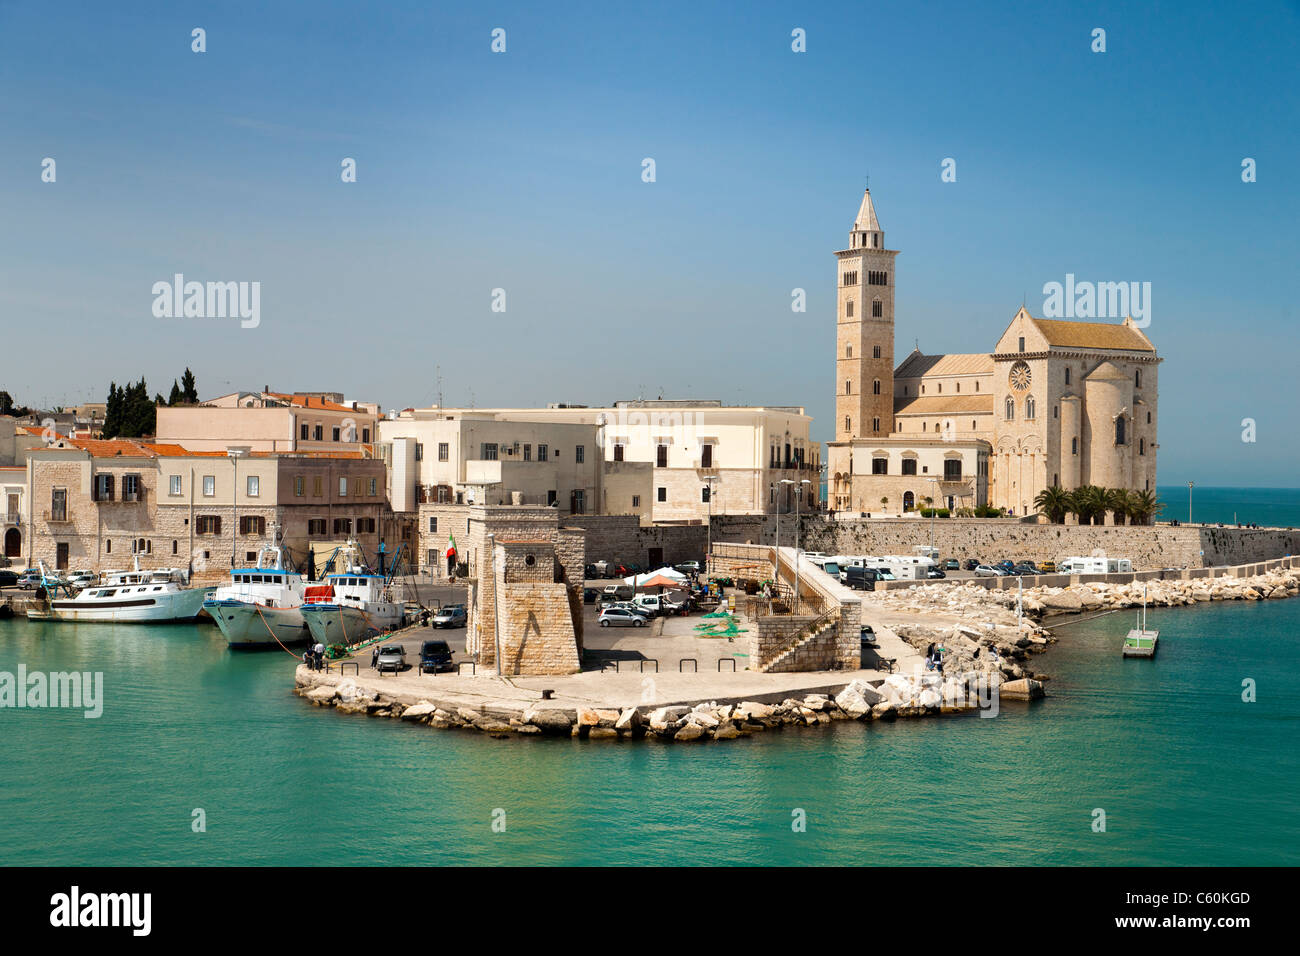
897, 696
1157, 546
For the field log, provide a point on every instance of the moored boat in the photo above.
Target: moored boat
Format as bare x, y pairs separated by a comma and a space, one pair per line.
350, 605
124, 597
261, 606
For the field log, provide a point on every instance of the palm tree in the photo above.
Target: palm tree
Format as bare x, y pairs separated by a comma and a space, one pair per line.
1054, 502
1088, 502
1116, 500
1145, 506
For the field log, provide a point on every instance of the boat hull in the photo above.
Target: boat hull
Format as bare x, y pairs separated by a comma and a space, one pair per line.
338, 624
245, 624
182, 605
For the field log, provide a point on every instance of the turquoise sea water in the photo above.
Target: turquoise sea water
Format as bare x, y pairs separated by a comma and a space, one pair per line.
1274, 507
1185, 771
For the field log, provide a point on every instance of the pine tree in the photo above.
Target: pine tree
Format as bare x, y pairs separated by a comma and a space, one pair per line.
189, 389
113, 411
175, 398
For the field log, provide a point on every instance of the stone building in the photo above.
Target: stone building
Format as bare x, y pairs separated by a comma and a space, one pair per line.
664, 460
1054, 403
99, 504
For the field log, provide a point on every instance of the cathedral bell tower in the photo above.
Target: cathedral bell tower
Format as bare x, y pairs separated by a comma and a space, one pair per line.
864, 360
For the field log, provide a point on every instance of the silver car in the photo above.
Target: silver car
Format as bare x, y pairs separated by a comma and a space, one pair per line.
620, 617
392, 657
453, 615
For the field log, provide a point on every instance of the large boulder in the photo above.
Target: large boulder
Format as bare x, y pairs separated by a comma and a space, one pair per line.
587, 717
1064, 601
421, 711
665, 717
1026, 688
630, 719
689, 731
321, 695
751, 710
550, 721
858, 698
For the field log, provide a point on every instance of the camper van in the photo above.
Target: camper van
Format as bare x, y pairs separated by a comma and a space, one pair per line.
1094, 565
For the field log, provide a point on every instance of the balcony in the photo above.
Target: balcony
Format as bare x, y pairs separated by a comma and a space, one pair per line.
56, 517
11, 517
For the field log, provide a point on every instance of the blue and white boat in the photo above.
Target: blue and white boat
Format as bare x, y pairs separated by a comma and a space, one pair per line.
262, 605
351, 605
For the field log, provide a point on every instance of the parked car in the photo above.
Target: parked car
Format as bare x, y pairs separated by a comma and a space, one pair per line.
867, 638
391, 658
859, 578
952, 564
83, 579
589, 595
1005, 563
935, 573
1026, 568
620, 592
1028, 564
436, 656
884, 574
29, 579
590, 572
972, 563
688, 567
989, 571
8, 579
1048, 567
453, 615
645, 612
650, 602
620, 617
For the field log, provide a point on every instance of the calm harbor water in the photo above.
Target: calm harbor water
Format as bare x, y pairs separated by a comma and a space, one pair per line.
1186, 772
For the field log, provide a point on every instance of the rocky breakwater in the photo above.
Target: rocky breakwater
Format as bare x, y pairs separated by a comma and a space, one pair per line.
898, 696
1100, 596
978, 629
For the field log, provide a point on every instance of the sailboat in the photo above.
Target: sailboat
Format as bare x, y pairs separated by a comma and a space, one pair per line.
352, 604
1141, 642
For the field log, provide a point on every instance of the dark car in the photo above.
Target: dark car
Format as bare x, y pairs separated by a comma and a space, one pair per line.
952, 564
436, 656
972, 563
934, 573
589, 595
590, 572
860, 579
8, 579
867, 638
1006, 563
1026, 568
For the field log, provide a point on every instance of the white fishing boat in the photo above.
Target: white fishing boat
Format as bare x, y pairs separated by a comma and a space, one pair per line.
124, 597
1141, 641
261, 606
350, 605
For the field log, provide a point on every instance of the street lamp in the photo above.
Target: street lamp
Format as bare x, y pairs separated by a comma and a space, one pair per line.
496, 604
934, 506
235, 453
708, 554
1190, 485
798, 501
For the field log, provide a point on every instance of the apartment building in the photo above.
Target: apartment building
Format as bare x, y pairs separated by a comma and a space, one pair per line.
267, 421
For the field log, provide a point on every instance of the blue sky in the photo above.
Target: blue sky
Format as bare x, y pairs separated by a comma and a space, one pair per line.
522, 171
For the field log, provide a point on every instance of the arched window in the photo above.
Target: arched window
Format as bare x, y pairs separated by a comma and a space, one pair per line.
848, 387
848, 351
1030, 407
877, 310
848, 309
875, 387
1074, 446
1119, 431
1142, 446
1010, 408
848, 424
1137, 378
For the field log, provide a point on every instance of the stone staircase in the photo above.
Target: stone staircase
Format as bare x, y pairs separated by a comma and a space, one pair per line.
825, 626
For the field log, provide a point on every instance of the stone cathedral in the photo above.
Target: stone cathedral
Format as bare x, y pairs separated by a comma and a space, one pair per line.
1055, 403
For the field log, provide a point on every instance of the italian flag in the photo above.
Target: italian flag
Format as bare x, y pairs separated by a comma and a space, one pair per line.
451, 546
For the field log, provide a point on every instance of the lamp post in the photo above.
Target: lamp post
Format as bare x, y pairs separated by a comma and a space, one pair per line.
934, 506
1190, 485
708, 554
235, 453
798, 501
496, 604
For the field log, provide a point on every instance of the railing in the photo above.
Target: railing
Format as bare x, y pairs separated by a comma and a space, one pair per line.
11, 517
55, 516
343, 667
805, 633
